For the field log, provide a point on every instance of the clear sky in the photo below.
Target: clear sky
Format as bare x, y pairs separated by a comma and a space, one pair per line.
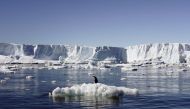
94, 22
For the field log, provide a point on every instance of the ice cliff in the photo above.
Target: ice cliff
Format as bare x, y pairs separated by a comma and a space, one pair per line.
70, 54
166, 52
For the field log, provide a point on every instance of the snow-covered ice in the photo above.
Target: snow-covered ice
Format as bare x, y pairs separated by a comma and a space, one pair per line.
90, 89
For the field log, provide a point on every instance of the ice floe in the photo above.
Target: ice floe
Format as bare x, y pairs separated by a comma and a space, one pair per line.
29, 77
90, 89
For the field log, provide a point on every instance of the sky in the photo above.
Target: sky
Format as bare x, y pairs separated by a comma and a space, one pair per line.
94, 22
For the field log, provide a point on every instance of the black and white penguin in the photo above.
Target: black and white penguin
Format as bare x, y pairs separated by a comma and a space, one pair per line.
95, 79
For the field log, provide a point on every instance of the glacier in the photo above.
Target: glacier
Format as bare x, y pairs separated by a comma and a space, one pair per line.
171, 53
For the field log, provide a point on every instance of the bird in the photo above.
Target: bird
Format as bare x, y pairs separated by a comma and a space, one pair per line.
95, 79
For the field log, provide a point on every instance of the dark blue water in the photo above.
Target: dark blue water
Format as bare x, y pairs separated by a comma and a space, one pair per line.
158, 89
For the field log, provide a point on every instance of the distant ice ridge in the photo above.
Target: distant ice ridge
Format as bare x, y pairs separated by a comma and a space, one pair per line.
172, 53
69, 54
91, 89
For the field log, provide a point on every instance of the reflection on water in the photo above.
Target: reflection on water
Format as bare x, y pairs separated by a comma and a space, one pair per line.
155, 81
156, 85
88, 101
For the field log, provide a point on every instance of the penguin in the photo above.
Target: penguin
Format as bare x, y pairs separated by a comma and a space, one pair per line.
95, 79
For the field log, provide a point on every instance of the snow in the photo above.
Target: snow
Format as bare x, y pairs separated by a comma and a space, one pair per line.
91, 89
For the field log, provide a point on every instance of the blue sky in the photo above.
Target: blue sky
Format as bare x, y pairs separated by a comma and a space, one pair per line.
94, 22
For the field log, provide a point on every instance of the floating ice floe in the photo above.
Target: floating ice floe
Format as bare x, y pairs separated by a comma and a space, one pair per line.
97, 90
53, 82
123, 79
29, 77
3, 81
6, 70
128, 69
7, 78
43, 81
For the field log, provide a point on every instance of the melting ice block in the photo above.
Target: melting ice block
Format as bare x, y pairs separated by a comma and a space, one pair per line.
91, 89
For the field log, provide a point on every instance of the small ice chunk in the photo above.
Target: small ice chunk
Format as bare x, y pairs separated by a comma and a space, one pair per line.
68, 80
7, 78
43, 81
171, 71
3, 81
53, 82
50, 94
29, 77
27, 89
123, 79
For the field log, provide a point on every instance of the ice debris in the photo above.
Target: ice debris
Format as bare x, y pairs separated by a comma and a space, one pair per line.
3, 81
123, 79
53, 81
29, 77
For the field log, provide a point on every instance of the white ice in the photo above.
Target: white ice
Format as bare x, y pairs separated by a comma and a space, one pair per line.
91, 89
170, 53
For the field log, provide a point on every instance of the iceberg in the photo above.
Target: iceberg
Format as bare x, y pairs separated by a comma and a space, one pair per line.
92, 89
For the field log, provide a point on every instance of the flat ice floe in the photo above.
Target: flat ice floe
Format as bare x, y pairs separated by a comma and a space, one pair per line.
91, 89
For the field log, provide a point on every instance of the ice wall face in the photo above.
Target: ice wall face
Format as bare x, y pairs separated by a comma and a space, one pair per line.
102, 53
6, 49
79, 54
28, 50
167, 52
11, 49
70, 54
50, 52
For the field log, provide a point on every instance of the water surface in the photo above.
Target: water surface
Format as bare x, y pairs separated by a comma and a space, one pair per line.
159, 88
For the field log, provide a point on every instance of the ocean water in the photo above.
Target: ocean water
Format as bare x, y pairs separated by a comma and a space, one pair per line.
159, 89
